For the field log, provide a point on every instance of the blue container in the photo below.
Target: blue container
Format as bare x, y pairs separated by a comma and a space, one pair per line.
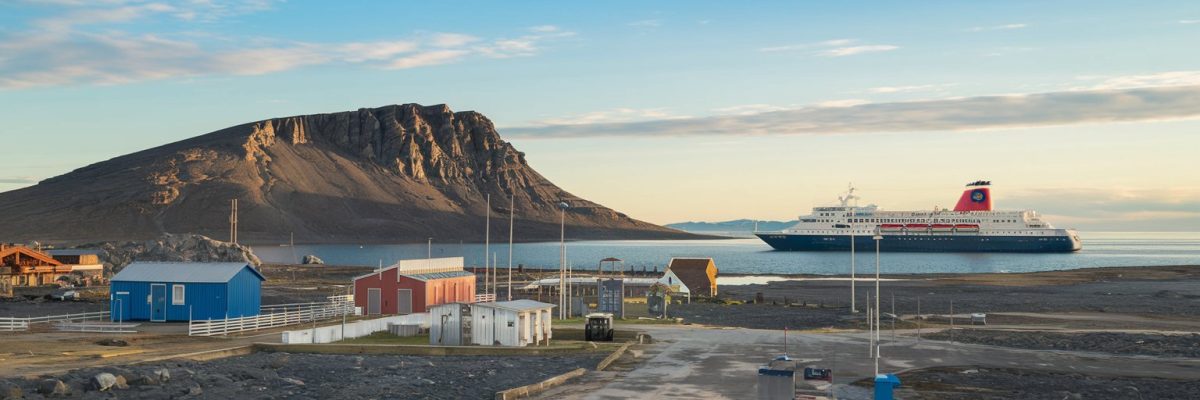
162, 291
884, 385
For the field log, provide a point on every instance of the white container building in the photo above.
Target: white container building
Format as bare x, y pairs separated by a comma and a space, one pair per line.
514, 323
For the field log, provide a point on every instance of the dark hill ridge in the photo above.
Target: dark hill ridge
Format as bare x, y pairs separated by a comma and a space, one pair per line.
399, 173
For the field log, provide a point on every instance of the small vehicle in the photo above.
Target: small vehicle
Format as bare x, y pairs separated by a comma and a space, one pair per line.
599, 327
818, 374
65, 295
978, 319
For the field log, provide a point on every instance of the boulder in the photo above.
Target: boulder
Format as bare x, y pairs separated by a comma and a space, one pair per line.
121, 383
53, 387
162, 374
311, 259
112, 342
10, 391
103, 381
195, 390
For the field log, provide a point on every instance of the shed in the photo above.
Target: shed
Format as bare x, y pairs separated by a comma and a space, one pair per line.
511, 323
450, 324
676, 285
412, 286
182, 291
698, 274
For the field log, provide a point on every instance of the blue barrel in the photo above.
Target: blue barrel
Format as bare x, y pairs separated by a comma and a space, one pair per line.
884, 385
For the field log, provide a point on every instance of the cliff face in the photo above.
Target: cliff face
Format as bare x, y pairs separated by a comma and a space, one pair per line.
398, 173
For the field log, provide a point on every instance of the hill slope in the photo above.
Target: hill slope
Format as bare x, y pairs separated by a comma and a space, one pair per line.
399, 173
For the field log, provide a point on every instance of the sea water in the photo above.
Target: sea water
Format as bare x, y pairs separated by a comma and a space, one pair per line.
752, 256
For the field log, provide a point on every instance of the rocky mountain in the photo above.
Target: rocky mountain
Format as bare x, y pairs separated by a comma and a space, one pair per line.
399, 173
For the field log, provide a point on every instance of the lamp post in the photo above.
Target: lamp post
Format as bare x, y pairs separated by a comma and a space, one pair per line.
853, 308
430, 249
562, 258
877, 238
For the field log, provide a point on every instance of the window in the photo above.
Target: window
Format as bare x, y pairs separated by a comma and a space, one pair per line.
177, 295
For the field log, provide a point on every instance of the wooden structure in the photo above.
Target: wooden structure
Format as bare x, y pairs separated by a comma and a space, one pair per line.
412, 286
24, 266
698, 274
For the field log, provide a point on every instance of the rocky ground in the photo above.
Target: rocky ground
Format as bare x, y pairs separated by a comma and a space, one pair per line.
979, 383
306, 376
1158, 292
21, 307
1105, 342
761, 316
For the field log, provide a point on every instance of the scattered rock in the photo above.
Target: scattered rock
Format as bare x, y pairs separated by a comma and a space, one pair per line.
195, 390
121, 383
11, 391
112, 342
162, 374
294, 381
53, 387
280, 361
103, 381
311, 260
358, 361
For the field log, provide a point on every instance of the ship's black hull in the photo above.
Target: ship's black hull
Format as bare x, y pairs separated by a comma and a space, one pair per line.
956, 243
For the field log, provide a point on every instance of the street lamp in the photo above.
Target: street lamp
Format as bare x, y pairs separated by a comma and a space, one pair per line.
562, 258
430, 251
877, 238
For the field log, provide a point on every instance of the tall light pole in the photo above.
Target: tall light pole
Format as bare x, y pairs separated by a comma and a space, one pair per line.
853, 308
512, 202
878, 237
487, 238
562, 258
429, 250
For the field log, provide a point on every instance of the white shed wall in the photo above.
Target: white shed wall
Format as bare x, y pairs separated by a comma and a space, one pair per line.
333, 333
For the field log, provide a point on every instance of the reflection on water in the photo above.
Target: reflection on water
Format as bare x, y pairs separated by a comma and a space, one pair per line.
751, 256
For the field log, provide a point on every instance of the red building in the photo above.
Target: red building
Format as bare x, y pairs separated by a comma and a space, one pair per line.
411, 286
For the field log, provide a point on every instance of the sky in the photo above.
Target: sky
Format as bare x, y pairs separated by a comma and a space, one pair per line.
668, 111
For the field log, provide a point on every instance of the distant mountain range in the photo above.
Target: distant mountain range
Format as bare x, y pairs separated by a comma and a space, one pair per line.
399, 173
742, 227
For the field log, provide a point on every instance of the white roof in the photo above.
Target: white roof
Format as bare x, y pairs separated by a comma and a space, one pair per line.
189, 272
517, 305
421, 266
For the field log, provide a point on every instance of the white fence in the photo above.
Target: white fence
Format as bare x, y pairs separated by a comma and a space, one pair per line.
330, 334
21, 324
274, 316
486, 297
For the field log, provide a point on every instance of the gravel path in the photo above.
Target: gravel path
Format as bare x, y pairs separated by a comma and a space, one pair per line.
978, 383
315, 376
1117, 343
761, 316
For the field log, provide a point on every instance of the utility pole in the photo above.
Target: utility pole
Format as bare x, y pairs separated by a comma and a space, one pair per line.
877, 238
512, 201
233, 220
951, 321
853, 308
429, 250
918, 319
487, 238
562, 259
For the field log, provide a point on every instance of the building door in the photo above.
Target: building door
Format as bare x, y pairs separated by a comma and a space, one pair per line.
158, 302
404, 301
373, 301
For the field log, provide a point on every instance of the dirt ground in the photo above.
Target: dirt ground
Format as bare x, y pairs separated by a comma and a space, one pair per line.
979, 383
316, 376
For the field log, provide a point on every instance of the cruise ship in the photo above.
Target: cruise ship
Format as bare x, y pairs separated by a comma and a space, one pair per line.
972, 226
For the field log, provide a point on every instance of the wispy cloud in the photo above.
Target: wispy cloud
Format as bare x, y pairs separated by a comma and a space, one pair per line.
1162, 79
1114, 207
1004, 27
616, 115
1189, 21
831, 48
853, 50
86, 43
19, 180
907, 88
646, 23
958, 114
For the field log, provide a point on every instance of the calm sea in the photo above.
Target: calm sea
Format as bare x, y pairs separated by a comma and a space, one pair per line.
751, 256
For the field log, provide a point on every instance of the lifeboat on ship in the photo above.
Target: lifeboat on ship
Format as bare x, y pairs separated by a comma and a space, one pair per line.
916, 227
942, 227
891, 227
966, 228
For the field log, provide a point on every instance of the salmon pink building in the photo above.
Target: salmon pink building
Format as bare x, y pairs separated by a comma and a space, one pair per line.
412, 286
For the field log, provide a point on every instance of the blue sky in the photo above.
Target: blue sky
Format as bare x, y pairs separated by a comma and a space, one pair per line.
1084, 110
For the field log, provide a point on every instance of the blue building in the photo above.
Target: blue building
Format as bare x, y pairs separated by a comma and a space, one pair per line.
179, 291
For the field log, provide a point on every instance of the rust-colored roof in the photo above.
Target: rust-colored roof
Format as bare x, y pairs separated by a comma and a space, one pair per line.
693, 272
30, 253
